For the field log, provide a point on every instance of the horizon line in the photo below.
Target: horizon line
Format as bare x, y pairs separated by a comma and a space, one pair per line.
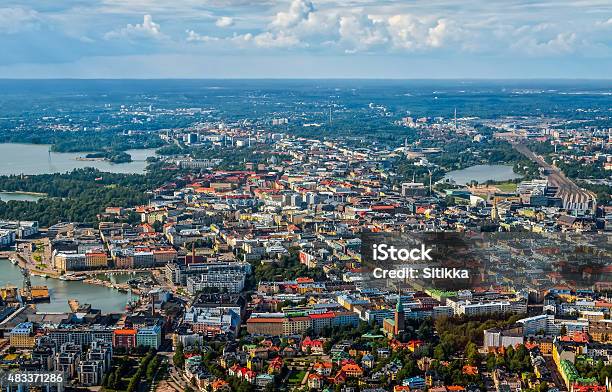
316, 78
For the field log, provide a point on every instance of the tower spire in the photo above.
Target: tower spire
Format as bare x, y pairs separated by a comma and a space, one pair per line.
399, 322
494, 211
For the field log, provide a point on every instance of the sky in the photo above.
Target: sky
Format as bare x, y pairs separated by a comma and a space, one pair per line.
305, 39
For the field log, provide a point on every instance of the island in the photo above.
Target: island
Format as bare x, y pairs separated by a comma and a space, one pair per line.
111, 156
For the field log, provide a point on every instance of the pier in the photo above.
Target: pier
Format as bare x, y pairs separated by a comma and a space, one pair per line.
123, 287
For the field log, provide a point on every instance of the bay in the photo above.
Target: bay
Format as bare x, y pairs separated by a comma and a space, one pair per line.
19, 158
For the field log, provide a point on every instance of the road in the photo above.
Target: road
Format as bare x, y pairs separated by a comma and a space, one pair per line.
572, 195
174, 380
559, 383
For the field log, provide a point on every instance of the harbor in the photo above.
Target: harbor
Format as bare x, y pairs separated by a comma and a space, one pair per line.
107, 297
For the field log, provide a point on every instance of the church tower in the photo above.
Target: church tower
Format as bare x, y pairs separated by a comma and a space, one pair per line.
399, 317
494, 211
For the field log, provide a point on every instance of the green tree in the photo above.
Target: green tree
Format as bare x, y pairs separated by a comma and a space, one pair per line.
152, 368
472, 354
179, 356
110, 381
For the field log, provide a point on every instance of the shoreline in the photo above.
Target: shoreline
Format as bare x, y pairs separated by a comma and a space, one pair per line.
33, 271
85, 159
90, 275
24, 193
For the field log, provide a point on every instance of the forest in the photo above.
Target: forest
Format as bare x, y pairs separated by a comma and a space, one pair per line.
111, 156
80, 195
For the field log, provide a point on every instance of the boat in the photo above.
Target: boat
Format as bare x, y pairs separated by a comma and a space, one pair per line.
72, 277
13, 260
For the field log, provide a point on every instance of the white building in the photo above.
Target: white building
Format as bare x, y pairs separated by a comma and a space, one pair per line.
7, 237
198, 163
213, 321
229, 277
23, 229
149, 337
496, 338
481, 308
536, 324
69, 261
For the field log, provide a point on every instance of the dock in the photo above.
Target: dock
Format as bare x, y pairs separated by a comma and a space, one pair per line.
39, 293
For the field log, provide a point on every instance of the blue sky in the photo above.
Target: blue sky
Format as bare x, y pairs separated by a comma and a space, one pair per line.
306, 39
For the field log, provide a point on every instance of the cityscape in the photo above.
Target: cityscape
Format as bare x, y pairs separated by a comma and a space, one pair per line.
376, 196
233, 257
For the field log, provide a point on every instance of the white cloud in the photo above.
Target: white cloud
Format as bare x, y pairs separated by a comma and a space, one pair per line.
407, 31
224, 21
562, 43
262, 40
438, 34
147, 29
605, 23
192, 36
478, 31
281, 40
298, 11
354, 29
241, 39
15, 20
361, 33
395, 27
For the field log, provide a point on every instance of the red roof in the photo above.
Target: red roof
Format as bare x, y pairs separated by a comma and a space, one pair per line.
265, 320
322, 315
383, 208
125, 332
304, 280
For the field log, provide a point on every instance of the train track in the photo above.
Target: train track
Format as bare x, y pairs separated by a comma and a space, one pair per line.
572, 196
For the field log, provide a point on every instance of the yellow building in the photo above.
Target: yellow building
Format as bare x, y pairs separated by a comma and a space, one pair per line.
96, 260
546, 346
591, 316
9, 293
296, 325
22, 336
601, 331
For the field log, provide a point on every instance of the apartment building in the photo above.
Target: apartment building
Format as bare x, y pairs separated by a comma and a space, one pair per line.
22, 336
